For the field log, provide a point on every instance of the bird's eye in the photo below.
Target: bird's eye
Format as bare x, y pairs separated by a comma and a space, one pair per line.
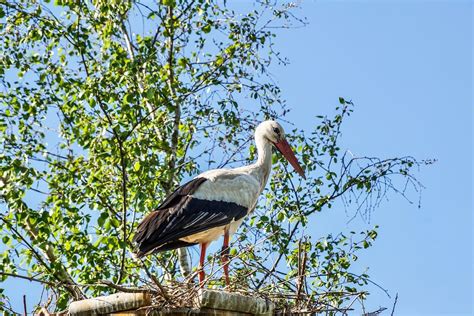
276, 130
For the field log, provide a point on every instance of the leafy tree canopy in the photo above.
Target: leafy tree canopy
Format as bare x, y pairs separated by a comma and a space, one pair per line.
107, 105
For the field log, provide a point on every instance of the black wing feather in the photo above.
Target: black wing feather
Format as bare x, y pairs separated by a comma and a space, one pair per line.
182, 215
186, 189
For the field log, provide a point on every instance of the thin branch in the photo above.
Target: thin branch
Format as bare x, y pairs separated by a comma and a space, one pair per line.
124, 210
28, 278
123, 288
394, 304
63, 276
24, 305
155, 281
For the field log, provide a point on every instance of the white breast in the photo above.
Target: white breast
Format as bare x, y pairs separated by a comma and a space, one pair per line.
228, 186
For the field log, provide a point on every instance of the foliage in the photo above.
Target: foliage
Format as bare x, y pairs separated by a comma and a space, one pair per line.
108, 105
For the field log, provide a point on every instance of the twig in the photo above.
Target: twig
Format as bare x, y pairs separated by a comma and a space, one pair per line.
123, 165
63, 276
275, 264
156, 282
123, 288
374, 283
375, 313
24, 305
124, 208
394, 304
27, 278
301, 271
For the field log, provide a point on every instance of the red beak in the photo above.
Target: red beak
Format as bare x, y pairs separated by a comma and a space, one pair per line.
285, 149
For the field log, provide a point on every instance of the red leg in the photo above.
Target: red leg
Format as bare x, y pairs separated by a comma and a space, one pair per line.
225, 257
201, 264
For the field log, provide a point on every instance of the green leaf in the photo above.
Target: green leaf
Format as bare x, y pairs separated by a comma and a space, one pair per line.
127, 99
281, 216
169, 3
6, 239
101, 219
206, 28
136, 165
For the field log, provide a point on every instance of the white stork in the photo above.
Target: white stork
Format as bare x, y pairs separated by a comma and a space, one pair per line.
214, 203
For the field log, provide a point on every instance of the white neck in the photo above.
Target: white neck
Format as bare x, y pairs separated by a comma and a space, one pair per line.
261, 169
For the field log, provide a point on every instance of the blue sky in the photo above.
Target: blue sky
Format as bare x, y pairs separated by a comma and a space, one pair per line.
407, 65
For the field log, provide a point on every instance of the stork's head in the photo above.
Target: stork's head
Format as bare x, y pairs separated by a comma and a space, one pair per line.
272, 132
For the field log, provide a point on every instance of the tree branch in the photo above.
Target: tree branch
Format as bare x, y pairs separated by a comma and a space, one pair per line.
63, 276
24, 277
